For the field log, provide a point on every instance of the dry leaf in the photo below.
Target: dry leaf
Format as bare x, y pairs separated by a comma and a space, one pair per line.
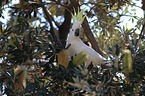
63, 58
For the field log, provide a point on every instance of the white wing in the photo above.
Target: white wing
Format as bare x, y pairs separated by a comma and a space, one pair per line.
78, 46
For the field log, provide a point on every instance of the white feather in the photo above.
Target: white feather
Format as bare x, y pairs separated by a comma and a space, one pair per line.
78, 46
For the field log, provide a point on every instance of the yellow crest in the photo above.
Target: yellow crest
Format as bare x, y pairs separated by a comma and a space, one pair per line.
78, 16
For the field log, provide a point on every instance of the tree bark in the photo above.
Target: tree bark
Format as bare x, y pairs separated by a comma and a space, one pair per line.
90, 37
143, 28
65, 26
49, 19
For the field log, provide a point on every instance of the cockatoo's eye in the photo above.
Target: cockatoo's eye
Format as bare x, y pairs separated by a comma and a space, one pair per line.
77, 32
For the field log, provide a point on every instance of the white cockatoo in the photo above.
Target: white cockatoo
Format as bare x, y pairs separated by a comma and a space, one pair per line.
77, 45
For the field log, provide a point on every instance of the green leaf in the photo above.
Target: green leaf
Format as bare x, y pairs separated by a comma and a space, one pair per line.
8, 74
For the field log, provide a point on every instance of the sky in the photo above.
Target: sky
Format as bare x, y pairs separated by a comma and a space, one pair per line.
139, 13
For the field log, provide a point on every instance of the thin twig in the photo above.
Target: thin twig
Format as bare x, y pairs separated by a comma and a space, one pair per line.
49, 19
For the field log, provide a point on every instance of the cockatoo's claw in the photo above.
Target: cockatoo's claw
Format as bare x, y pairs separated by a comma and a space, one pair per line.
68, 46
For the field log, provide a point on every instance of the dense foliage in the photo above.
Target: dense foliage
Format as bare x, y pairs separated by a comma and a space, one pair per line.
37, 30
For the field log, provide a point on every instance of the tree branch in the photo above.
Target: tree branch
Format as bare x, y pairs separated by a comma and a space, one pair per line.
65, 26
141, 35
90, 37
143, 28
49, 19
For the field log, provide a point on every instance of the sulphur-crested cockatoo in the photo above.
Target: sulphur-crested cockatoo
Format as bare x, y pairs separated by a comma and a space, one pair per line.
77, 45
